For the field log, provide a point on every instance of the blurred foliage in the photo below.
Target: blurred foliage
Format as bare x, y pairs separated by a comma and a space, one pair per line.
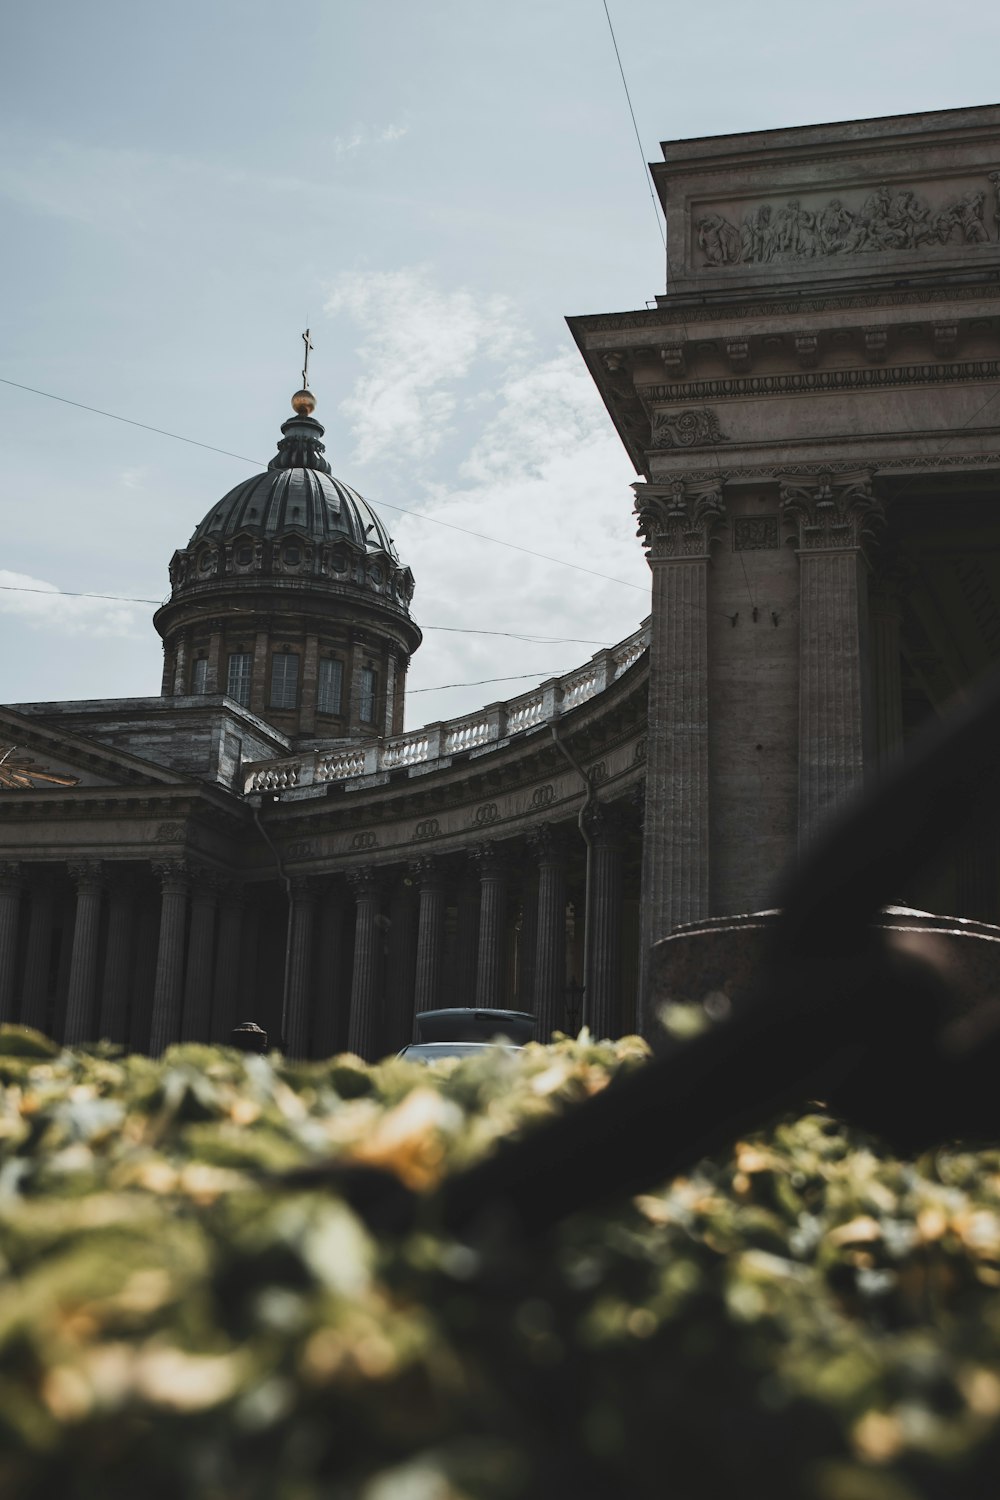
806, 1318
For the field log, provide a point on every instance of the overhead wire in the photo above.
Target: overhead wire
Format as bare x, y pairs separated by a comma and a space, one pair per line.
257, 463
642, 155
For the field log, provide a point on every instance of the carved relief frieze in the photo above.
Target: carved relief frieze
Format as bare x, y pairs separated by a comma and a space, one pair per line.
679, 523
756, 534
889, 219
364, 840
830, 515
542, 795
694, 428
487, 813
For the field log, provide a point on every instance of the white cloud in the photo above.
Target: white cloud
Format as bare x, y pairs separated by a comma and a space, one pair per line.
38, 604
533, 461
134, 479
418, 346
365, 135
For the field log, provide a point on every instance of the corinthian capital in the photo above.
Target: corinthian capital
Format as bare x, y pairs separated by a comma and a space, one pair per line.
678, 521
832, 511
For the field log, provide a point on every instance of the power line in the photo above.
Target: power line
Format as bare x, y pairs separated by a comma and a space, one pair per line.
480, 682
114, 417
638, 141
512, 635
257, 463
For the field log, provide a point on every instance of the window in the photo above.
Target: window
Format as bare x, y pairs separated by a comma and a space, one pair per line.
244, 556
369, 682
238, 678
293, 555
199, 675
331, 680
284, 680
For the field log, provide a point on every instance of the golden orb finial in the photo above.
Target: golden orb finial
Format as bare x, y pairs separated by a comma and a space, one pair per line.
303, 403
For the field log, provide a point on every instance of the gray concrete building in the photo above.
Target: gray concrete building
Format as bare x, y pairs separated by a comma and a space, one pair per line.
811, 407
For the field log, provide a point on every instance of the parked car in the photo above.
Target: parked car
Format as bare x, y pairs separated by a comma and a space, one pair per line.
462, 1032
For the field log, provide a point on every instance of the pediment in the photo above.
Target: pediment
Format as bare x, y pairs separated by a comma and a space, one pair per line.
37, 758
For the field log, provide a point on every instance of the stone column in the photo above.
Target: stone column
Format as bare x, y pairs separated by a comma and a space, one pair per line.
11, 888
227, 962
168, 988
677, 525
183, 647
118, 960
38, 959
885, 612
402, 966
490, 976
363, 1027
467, 936
329, 1031
298, 990
549, 850
81, 1017
832, 518
430, 933
140, 1018
196, 1021
602, 999
527, 950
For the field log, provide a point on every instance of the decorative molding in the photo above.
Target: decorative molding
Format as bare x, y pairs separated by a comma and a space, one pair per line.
889, 220
681, 523
832, 516
771, 473
801, 383
695, 428
303, 849
542, 795
364, 840
428, 828
488, 812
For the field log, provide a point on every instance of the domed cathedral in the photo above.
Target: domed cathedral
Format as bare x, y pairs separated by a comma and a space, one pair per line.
290, 599
811, 410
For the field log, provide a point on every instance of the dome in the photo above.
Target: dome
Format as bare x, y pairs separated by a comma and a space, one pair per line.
298, 493
294, 521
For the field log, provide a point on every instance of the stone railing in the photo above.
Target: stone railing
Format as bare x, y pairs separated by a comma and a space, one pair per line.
498, 722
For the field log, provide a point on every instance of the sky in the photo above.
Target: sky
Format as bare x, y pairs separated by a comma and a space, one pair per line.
431, 188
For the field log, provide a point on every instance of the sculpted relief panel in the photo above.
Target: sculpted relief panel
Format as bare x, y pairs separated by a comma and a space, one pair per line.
888, 219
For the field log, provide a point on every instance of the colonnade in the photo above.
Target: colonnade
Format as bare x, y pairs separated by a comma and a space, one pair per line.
147, 953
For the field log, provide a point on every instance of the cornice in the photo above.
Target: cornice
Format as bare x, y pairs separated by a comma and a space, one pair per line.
804, 382
668, 313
